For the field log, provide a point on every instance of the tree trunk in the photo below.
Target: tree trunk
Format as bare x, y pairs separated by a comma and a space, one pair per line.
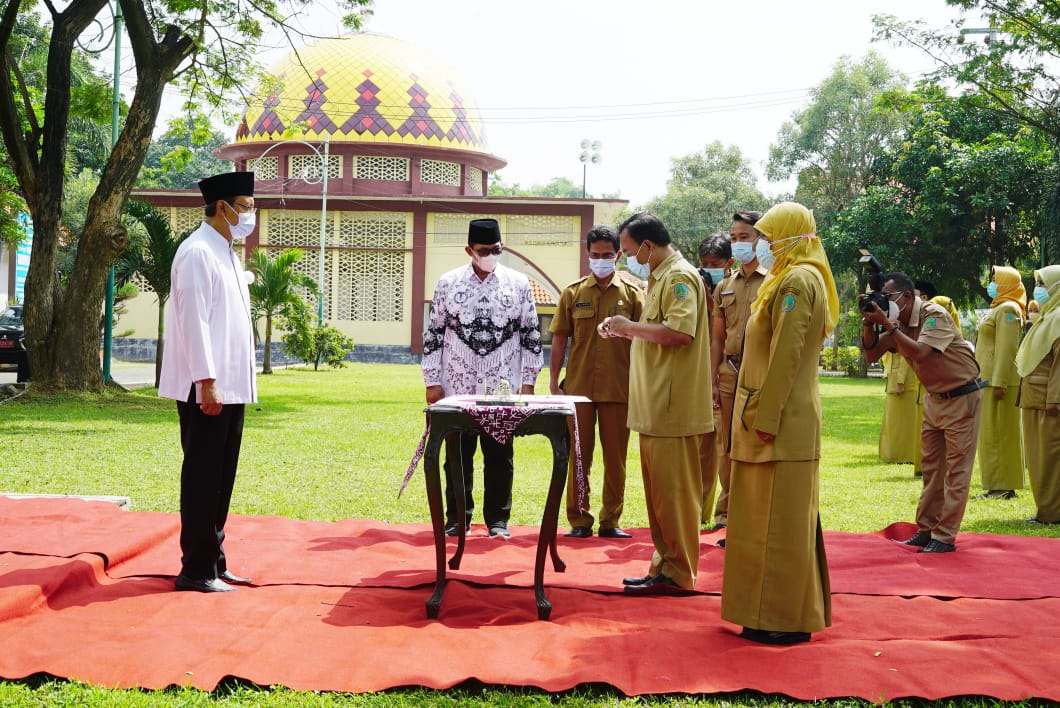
160, 342
62, 328
266, 365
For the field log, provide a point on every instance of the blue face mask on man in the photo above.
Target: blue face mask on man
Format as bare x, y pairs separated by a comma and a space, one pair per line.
743, 251
640, 270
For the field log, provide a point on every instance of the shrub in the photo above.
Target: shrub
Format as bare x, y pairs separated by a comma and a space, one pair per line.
848, 360
317, 344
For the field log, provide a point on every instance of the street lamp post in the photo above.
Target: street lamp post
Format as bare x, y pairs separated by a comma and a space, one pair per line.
990, 32
323, 155
590, 153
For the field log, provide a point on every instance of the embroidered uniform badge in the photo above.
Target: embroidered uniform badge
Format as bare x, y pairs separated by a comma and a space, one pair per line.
929, 323
680, 291
788, 303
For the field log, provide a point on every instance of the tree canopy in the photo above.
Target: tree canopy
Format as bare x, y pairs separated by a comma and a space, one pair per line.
704, 190
211, 55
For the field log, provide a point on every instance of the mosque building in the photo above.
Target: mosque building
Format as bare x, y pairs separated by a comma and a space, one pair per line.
402, 145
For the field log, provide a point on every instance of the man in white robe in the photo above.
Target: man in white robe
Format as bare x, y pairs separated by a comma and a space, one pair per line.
208, 367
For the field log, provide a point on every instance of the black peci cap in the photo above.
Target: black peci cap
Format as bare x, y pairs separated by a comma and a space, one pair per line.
229, 184
484, 231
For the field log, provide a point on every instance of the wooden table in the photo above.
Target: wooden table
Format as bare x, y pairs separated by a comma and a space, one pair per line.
446, 420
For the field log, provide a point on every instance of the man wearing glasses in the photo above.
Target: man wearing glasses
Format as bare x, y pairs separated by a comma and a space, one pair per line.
598, 369
925, 334
208, 367
482, 328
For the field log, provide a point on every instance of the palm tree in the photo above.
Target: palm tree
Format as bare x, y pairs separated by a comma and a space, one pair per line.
153, 260
274, 290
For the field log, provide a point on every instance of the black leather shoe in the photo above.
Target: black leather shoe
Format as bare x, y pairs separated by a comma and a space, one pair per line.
920, 538
637, 581
452, 529
500, 529
720, 543
717, 527
230, 577
614, 533
204, 585
580, 532
763, 636
658, 585
934, 546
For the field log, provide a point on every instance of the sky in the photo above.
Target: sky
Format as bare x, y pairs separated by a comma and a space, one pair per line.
651, 81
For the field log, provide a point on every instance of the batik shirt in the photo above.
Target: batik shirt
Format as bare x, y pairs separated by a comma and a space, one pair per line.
480, 331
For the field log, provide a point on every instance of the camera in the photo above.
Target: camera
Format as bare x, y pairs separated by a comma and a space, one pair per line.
872, 267
873, 297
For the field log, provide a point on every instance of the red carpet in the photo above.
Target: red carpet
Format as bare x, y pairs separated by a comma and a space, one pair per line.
340, 607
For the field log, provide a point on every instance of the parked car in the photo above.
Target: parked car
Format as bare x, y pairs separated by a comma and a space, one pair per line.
13, 342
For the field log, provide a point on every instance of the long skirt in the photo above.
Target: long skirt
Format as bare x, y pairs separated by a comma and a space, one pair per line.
1000, 450
776, 572
1041, 441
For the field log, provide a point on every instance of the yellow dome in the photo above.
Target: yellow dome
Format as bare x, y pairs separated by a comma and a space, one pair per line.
365, 88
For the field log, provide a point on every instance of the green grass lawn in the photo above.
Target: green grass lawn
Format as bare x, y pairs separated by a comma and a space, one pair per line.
335, 444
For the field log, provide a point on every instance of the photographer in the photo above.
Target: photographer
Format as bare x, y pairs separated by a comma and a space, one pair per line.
925, 334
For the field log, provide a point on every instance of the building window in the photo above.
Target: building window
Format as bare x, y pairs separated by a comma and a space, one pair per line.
307, 167
439, 172
449, 229
265, 167
395, 169
365, 260
370, 272
186, 219
473, 182
539, 230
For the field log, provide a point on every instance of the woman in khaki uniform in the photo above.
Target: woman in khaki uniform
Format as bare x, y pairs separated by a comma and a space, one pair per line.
1038, 362
776, 575
1000, 445
900, 430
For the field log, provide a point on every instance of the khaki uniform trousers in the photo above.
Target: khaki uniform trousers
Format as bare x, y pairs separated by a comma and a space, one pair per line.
1041, 440
708, 467
722, 424
673, 490
948, 440
614, 440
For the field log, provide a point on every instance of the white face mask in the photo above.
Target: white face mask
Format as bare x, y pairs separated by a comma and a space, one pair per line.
244, 225
893, 311
485, 263
602, 267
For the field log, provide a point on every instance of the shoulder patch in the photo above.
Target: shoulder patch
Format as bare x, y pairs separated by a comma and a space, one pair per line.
790, 289
787, 303
1009, 317
929, 323
680, 291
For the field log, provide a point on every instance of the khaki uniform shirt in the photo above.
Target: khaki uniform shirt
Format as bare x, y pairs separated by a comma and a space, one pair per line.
670, 386
597, 367
953, 363
997, 342
777, 389
732, 303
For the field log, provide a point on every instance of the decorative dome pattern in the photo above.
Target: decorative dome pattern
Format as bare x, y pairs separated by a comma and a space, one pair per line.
364, 88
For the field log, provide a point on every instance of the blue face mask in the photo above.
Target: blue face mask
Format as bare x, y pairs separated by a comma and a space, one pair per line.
764, 253
640, 270
716, 274
743, 251
1041, 295
991, 290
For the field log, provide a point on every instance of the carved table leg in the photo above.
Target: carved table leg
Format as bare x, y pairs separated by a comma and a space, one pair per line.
547, 539
434, 501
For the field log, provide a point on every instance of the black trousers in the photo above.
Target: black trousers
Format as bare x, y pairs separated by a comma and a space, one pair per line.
211, 454
497, 475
